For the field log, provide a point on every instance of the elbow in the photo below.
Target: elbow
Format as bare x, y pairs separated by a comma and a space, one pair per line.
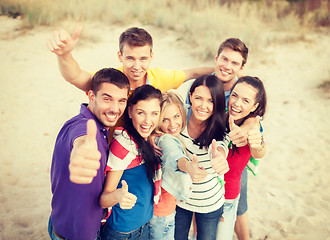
102, 202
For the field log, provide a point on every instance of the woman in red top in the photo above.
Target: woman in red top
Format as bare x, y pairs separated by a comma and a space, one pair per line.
246, 105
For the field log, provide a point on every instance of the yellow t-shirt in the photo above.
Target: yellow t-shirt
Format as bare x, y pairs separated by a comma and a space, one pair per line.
164, 79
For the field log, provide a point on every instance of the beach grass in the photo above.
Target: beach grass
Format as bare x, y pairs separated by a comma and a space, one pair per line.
202, 24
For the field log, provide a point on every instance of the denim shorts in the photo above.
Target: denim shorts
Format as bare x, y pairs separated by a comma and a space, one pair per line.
162, 228
242, 204
226, 226
107, 233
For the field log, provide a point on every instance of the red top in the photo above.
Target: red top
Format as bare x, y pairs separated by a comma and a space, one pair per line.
237, 163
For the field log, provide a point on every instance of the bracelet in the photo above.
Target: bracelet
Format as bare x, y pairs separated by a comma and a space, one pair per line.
262, 147
262, 144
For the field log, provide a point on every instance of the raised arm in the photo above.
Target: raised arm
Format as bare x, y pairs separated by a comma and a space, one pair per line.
62, 43
197, 72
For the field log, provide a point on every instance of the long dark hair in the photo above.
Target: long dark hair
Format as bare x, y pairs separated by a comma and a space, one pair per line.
261, 100
216, 124
145, 148
261, 97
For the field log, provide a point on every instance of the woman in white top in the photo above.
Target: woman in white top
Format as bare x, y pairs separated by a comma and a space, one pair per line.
205, 136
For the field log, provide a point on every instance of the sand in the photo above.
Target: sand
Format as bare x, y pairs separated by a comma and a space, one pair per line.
289, 199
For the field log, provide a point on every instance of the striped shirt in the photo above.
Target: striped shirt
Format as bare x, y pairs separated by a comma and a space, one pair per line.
207, 196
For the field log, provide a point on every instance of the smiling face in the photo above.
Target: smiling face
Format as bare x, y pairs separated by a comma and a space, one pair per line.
201, 103
145, 116
136, 61
108, 104
227, 66
172, 121
242, 101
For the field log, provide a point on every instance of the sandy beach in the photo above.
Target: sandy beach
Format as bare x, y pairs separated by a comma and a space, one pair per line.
289, 199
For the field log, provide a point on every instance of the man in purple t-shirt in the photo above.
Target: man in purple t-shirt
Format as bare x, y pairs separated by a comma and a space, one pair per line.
80, 156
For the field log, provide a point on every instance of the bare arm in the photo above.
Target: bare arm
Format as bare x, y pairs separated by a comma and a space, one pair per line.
62, 43
197, 72
111, 195
259, 152
72, 72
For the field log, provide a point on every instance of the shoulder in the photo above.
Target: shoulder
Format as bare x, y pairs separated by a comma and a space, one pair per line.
167, 139
122, 140
75, 127
162, 72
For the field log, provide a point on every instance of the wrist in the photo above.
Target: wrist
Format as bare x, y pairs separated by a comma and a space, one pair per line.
261, 148
262, 144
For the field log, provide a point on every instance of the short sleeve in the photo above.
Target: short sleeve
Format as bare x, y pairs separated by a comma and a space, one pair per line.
164, 79
123, 153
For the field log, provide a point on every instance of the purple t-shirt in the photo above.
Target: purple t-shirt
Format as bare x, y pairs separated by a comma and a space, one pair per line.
76, 212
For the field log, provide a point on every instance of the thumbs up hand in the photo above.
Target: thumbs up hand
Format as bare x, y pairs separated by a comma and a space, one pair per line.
85, 156
219, 162
196, 173
61, 42
236, 135
126, 200
254, 135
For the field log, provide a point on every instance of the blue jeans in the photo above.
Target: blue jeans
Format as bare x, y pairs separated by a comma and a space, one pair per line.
242, 204
207, 224
162, 228
226, 227
107, 233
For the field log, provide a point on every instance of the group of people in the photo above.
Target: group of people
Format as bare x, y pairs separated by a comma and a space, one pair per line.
138, 163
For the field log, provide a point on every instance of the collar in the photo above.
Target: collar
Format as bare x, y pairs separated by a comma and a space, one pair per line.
89, 115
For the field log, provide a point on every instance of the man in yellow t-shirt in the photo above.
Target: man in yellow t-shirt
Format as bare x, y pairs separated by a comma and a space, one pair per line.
135, 54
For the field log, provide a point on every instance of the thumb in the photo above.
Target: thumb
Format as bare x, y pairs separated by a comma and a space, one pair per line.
91, 133
194, 160
214, 148
124, 185
76, 34
232, 124
255, 123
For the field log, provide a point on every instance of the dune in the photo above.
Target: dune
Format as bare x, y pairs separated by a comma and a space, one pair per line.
289, 199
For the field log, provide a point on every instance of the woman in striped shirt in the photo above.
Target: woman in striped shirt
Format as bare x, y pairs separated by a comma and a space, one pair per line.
205, 136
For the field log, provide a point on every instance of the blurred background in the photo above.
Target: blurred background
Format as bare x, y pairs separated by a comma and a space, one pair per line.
200, 23
289, 50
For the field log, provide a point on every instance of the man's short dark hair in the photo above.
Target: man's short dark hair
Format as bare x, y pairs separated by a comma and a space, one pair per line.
135, 37
109, 75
